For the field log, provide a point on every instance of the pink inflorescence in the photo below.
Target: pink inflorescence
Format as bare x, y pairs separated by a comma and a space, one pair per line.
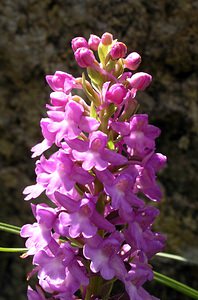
97, 229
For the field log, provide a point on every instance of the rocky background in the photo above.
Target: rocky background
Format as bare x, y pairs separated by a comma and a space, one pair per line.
35, 40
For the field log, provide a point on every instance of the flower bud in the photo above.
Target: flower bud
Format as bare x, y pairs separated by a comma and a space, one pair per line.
84, 57
132, 61
107, 38
79, 42
118, 50
93, 42
116, 93
140, 80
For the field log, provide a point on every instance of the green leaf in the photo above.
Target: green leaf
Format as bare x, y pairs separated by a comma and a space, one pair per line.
102, 52
111, 145
88, 90
172, 256
93, 112
176, 285
95, 76
10, 228
3, 249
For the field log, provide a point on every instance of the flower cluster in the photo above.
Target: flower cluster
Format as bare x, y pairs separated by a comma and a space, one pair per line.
98, 227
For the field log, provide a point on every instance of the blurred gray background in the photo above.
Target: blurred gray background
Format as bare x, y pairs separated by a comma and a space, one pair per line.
35, 41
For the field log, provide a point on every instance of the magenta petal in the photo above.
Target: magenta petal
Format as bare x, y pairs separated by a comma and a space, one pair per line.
106, 177
73, 111
26, 230
132, 291
107, 273
105, 89
49, 81
56, 116
114, 158
154, 193
33, 191
78, 145
139, 122
45, 215
66, 202
122, 128
58, 98
41, 147
79, 156
100, 164
88, 124
53, 127
152, 131
65, 219
101, 222
81, 176
88, 164
73, 132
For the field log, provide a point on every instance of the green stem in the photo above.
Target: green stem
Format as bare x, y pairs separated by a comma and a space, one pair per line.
93, 287
176, 285
110, 287
3, 249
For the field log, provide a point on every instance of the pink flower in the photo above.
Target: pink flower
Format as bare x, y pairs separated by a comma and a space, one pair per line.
103, 161
81, 217
58, 270
138, 135
70, 123
94, 154
39, 234
49, 138
104, 255
146, 181
61, 82
57, 173
121, 191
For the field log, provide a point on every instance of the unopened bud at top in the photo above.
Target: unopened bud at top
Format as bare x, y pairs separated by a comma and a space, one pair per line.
79, 42
132, 61
84, 57
118, 50
140, 80
93, 42
107, 38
